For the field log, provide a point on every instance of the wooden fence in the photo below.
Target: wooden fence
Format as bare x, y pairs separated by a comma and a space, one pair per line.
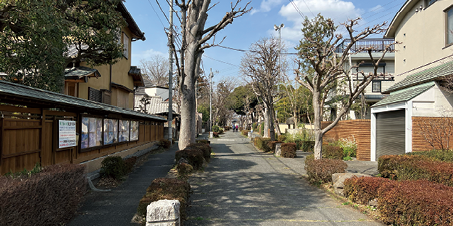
30, 135
435, 130
352, 129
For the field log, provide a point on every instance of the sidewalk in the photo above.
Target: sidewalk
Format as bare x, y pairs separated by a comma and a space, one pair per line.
118, 206
242, 186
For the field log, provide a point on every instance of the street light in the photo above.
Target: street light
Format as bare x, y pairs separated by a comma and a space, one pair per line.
278, 28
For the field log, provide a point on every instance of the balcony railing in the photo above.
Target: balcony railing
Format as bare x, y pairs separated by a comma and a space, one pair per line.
378, 44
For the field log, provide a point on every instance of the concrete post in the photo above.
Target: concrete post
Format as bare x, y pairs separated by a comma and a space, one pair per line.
163, 213
278, 149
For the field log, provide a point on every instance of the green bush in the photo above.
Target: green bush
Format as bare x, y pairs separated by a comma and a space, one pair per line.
215, 128
321, 171
166, 188
418, 202
363, 189
254, 126
194, 157
415, 167
203, 141
262, 144
164, 143
281, 138
113, 167
308, 146
244, 132
332, 152
288, 150
442, 155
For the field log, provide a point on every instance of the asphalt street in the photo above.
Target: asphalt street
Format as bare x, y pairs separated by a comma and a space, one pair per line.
242, 186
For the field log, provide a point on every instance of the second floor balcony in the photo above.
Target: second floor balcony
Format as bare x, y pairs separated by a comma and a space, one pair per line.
378, 44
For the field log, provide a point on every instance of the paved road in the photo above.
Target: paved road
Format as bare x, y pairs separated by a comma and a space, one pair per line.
241, 186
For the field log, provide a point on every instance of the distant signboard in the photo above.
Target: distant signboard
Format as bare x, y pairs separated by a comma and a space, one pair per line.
67, 134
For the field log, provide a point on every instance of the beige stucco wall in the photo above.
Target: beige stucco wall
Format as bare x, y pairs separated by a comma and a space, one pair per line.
422, 34
119, 75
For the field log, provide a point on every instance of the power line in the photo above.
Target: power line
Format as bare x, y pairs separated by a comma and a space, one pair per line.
219, 60
296, 8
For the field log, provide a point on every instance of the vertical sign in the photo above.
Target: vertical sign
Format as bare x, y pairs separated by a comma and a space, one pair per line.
67, 133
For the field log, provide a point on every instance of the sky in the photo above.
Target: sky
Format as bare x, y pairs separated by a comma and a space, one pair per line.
251, 27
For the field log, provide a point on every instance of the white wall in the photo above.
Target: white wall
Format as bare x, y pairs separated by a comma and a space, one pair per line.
432, 103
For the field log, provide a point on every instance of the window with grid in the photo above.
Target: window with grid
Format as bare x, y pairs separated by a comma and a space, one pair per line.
448, 13
376, 86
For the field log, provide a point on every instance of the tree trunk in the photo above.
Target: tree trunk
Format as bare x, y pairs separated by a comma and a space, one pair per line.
317, 126
188, 123
266, 123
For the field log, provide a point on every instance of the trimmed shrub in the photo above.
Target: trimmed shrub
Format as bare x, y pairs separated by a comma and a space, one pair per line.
221, 131
332, 152
442, 155
416, 203
215, 128
164, 143
321, 171
184, 169
203, 141
113, 167
415, 167
194, 157
254, 126
50, 197
272, 145
129, 164
288, 150
281, 138
205, 148
244, 132
166, 188
262, 144
308, 146
363, 189
215, 134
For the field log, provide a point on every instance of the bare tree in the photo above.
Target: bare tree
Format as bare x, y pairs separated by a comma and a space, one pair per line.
221, 112
317, 51
260, 65
194, 38
156, 69
437, 131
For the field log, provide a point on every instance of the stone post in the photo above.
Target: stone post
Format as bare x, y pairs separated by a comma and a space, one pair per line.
277, 152
163, 213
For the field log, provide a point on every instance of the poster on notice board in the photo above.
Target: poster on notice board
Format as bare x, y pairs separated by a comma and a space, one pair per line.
67, 134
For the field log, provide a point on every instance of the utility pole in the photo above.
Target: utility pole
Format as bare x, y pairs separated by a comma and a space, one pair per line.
170, 116
211, 76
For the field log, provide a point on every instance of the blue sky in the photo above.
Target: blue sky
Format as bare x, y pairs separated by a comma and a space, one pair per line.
251, 27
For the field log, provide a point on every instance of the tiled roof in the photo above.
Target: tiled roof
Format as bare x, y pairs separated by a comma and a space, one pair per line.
424, 76
62, 100
80, 72
405, 94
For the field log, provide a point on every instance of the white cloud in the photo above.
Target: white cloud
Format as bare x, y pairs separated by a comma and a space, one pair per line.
338, 10
266, 6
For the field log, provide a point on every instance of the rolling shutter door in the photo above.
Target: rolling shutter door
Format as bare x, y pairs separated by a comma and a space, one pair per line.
391, 133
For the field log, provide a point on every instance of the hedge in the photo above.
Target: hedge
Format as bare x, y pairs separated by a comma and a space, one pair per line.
166, 188
205, 148
164, 143
415, 167
418, 202
320, 171
363, 189
442, 155
308, 146
288, 150
193, 156
244, 132
261, 144
272, 145
50, 197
